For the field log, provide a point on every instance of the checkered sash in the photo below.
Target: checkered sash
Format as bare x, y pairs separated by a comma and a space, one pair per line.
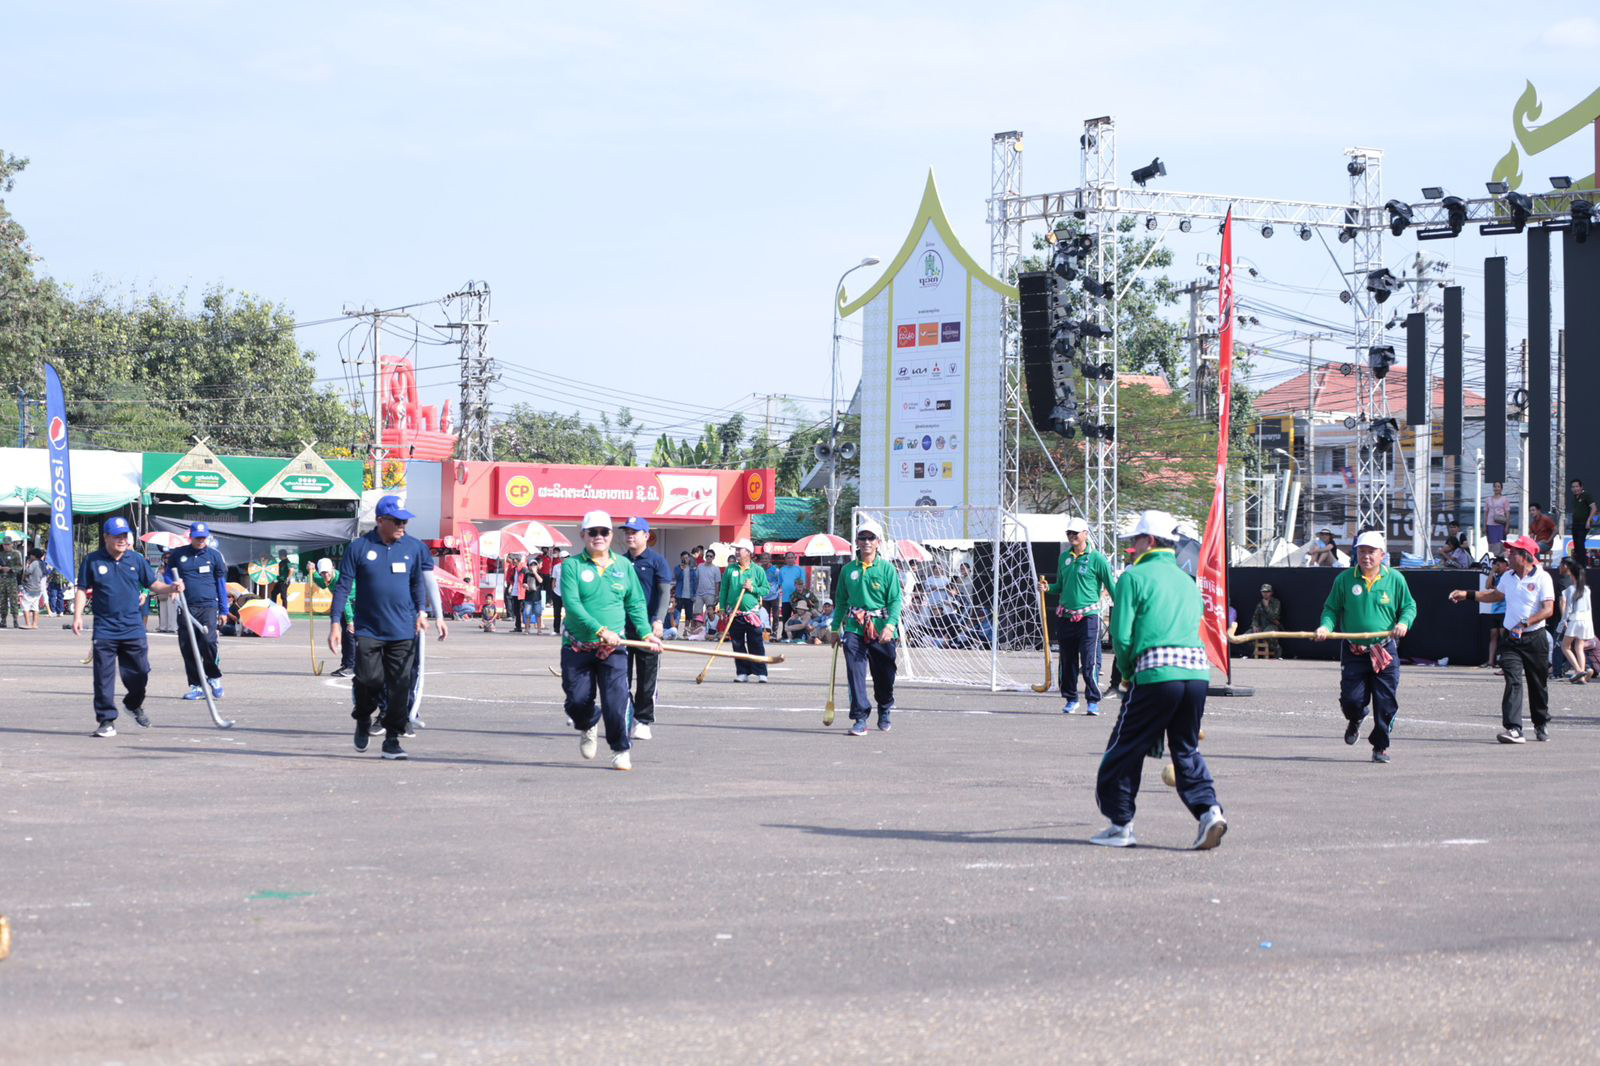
601, 649
1183, 658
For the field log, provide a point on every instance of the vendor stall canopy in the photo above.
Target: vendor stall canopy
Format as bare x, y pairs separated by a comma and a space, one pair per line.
228, 482
101, 481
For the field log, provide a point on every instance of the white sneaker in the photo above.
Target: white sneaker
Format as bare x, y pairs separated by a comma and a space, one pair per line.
761, 679
622, 761
738, 679
1212, 826
589, 743
1115, 836
641, 731
106, 730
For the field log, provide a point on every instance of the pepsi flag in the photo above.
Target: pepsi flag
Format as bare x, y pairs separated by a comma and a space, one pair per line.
59, 456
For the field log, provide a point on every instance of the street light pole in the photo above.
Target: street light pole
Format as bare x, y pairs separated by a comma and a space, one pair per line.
833, 398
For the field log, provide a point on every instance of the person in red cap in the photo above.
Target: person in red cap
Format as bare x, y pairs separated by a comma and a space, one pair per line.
1530, 599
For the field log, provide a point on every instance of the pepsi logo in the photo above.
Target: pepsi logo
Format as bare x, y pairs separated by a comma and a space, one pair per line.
58, 431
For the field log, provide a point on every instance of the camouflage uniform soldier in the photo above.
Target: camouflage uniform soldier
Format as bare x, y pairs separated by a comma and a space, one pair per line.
10, 573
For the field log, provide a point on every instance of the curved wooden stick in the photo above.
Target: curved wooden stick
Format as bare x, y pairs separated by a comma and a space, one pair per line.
715, 653
1275, 634
1044, 624
727, 628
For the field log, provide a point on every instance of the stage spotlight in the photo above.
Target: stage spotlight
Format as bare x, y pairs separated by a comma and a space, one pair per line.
1107, 371
1150, 222
1266, 230
1345, 297
1305, 233
1399, 216
1582, 219
1561, 181
1382, 284
1355, 168
1521, 208
1095, 288
1380, 357
1184, 225
1092, 329
1063, 268
1497, 188
1347, 232
1432, 192
1156, 169
1386, 433
1455, 209
1350, 422
1091, 370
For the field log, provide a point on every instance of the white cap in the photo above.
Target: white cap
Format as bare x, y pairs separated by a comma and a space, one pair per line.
1372, 539
743, 542
1155, 524
324, 565
1077, 525
867, 525
596, 520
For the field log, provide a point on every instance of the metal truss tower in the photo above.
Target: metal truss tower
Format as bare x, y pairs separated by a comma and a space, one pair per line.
1373, 476
1098, 187
475, 439
1005, 254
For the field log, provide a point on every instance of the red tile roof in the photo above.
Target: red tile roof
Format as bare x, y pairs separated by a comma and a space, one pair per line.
1336, 392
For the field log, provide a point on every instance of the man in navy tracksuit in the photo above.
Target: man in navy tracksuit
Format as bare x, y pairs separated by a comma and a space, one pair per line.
205, 596
118, 577
388, 564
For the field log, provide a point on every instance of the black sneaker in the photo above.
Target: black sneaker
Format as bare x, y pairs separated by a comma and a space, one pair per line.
1380, 756
341, 672
1540, 734
1510, 736
884, 725
363, 731
139, 716
106, 729
392, 748
1352, 731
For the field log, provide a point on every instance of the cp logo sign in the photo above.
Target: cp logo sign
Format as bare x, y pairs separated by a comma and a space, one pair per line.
754, 488
519, 491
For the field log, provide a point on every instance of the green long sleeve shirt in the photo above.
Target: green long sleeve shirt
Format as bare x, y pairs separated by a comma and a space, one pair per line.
1356, 605
327, 581
600, 595
1079, 579
871, 588
1158, 606
732, 599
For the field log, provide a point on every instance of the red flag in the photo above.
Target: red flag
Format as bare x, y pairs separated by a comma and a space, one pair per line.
1213, 571
467, 537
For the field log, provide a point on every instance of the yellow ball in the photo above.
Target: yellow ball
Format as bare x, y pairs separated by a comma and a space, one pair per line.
1169, 776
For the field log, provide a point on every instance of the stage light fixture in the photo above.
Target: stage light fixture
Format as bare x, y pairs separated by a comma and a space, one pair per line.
1150, 222
1399, 216
1355, 168
1521, 208
1380, 357
1350, 422
1386, 433
1107, 371
1092, 329
1305, 233
1347, 232
1098, 289
1347, 369
1345, 297
1156, 169
1497, 188
1455, 209
1561, 181
1433, 192
1382, 284
1184, 225
1582, 219
1266, 229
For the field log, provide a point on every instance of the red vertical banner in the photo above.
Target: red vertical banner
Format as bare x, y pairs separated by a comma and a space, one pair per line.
467, 537
1213, 570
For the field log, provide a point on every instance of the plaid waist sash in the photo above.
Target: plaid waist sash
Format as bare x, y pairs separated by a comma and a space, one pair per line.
1184, 658
600, 649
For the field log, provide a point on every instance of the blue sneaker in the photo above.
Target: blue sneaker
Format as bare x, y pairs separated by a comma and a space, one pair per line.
883, 722
195, 693
858, 727
1071, 707
1093, 708
216, 688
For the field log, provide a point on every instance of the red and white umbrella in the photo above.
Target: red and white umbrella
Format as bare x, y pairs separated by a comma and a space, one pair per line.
821, 544
499, 543
536, 534
166, 541
911, 551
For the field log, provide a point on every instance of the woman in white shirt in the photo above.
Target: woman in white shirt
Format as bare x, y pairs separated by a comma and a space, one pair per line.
1577, 621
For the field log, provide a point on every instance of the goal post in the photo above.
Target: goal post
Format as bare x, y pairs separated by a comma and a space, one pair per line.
970, 611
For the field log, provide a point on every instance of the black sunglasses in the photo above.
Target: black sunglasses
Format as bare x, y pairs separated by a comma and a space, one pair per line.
597, 531
866, 536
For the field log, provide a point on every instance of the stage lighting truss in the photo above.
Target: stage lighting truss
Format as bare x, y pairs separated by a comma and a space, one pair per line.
1156, 169
1385, 435
1582, 219
1380, 357
1399, 216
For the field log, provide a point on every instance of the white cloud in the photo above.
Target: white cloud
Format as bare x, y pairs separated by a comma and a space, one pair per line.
1580, 32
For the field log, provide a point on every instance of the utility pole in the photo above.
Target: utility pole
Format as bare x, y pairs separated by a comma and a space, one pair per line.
377, 382
474, 436
1196, 341
1522, 436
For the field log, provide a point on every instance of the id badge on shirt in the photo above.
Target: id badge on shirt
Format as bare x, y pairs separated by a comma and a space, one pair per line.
206, 569
397, 568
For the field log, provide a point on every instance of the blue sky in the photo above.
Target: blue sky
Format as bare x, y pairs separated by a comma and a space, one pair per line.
662, 196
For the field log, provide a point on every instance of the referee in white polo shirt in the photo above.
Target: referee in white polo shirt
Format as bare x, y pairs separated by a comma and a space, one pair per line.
1530, 599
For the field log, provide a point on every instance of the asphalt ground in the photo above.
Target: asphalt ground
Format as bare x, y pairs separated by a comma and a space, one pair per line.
760, 889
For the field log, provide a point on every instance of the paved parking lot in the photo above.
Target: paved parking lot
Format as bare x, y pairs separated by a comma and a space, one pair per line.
760, 889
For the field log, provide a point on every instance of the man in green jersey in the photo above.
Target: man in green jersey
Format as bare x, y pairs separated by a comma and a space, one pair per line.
1369, 598
867, 611
1081, 576
601, 594
744, 587
1155, 637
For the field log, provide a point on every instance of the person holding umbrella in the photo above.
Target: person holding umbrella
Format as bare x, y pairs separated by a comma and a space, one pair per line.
388, 618
205, 582
744, 586
118, 578
866, 621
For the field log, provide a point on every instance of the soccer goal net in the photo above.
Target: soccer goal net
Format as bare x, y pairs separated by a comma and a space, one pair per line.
970, 611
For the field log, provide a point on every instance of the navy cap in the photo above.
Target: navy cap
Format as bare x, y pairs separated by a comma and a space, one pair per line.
637, 525
389, 507
117, 525
199, 529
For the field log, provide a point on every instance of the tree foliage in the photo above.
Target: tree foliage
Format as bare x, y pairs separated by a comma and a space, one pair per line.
528, 435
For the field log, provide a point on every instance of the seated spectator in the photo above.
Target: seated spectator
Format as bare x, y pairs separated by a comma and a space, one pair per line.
1323, 551
1453, 556
821, 622
798, 624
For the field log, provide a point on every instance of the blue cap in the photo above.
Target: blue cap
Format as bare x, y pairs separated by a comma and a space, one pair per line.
199, 529
389, 507
637, 525
116, 525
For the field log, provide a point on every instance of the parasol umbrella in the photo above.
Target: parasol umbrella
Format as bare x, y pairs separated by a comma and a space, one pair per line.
264, 618
911, 551
821, 544
449, 582
536, 534
238, 591
263, 574
164, 541
500, 543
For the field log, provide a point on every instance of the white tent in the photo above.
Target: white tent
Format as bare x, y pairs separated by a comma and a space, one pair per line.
101, 481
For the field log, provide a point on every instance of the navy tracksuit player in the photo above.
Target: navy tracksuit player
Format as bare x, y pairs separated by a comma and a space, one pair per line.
205, 597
